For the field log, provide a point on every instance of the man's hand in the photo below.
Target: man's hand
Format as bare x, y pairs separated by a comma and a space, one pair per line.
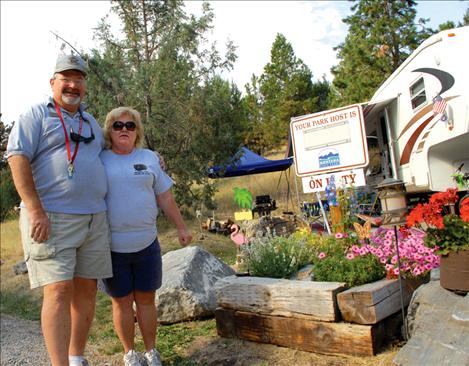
185, 237
162, 162
40, 225
24, 183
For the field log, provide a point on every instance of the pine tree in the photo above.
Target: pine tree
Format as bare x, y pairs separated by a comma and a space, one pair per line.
382, 34
162, 66
285, 89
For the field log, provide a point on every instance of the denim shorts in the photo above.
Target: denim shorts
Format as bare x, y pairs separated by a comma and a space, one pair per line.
141, 271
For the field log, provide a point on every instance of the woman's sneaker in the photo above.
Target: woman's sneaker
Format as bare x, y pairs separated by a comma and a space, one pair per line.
153, 358
131, 359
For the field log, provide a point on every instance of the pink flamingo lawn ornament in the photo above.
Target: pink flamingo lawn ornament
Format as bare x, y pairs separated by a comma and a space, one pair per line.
238, 238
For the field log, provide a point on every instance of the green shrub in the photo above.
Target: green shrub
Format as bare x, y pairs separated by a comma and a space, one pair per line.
333, 266
276, 256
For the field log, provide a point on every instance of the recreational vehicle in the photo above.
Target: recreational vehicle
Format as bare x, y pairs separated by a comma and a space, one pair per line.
418, 119
415, 128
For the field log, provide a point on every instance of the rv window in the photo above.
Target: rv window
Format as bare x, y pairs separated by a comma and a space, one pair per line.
417, 94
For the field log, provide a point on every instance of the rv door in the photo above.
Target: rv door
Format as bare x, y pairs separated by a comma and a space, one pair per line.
378, 126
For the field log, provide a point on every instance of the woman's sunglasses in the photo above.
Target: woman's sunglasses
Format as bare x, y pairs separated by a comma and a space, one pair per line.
118, 126
75, 137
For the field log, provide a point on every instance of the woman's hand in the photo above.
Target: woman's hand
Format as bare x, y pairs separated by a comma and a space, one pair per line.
185, 237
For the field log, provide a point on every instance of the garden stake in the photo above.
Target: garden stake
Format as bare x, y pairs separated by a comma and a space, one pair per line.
404, 323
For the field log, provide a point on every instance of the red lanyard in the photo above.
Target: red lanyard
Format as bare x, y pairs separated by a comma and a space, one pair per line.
70, 158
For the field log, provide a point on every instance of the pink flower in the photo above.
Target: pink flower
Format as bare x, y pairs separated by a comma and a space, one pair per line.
428, 266
355, 249
383, 260
322, 255
339, 235
350, 256
396, 271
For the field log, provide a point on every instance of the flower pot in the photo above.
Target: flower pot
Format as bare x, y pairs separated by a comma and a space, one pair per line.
454, 271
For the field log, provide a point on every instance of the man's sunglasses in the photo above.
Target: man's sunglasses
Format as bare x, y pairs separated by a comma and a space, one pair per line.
75, 137
118, 126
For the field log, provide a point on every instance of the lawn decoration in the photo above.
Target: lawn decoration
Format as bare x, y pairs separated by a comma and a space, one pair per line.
239, 239
243, 198
363, 232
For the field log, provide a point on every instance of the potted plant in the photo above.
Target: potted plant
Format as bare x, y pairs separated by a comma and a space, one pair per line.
448, 234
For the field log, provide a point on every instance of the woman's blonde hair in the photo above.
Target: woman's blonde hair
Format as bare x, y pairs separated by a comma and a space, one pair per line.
114, 116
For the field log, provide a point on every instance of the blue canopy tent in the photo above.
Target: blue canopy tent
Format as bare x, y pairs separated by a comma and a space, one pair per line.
249, 163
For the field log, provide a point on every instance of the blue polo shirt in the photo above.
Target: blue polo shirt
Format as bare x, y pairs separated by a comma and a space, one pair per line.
38, 134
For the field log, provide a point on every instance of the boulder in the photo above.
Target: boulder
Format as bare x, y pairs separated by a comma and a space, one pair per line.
20, 268
303, 274
438, 327
187, 291
282, 226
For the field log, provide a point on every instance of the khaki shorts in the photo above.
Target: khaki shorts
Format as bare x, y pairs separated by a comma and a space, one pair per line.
78, 246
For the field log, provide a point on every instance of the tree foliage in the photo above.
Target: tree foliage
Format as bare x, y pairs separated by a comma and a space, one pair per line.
382, 34
8, 196
162, 66
284, 89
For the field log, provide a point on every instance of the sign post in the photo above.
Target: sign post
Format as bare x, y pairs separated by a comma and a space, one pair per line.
330, 143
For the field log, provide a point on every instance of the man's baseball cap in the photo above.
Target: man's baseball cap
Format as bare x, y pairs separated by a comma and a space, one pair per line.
70, 62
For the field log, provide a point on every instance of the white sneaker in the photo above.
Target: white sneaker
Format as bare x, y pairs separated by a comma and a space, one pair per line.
153, 358
131, 359
78, 361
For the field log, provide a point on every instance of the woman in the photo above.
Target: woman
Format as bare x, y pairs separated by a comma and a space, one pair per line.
137, 187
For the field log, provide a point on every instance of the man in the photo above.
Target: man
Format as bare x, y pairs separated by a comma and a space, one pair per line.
53, 152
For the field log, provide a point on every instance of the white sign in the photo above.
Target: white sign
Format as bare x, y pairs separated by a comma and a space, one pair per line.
333, 140
346, 178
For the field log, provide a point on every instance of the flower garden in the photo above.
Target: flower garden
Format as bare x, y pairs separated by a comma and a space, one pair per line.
353, 272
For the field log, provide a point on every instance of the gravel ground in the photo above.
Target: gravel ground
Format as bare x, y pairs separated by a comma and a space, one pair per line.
21, 342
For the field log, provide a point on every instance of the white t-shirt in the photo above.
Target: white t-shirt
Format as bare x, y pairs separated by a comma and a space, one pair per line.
134, 180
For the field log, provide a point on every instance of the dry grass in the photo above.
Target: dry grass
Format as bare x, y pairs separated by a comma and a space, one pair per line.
10, 240
16, 296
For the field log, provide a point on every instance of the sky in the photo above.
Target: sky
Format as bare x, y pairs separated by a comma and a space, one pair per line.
28, 48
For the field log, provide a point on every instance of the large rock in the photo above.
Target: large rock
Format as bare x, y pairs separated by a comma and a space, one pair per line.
438, 324
187, 292
20, 268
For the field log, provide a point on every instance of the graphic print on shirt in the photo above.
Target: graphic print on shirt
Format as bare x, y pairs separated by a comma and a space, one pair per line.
141, 169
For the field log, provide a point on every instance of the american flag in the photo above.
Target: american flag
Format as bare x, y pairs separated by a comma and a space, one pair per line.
439, 105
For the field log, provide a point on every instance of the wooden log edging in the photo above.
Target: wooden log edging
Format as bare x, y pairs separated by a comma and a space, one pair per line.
307, 334
279, 297
373, 302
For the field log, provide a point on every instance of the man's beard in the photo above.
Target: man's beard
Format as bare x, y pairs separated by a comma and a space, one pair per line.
71, 100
